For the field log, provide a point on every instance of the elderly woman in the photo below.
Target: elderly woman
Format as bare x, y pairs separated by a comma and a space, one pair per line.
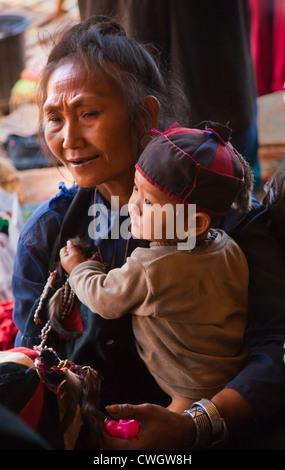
102, 93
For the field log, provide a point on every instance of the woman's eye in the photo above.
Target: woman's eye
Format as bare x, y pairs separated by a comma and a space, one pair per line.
53, 119
91, 114
135, 188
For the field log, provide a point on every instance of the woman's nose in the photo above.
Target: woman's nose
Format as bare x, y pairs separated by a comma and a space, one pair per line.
72, 136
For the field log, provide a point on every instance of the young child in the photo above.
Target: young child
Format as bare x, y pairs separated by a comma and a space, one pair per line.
189, 306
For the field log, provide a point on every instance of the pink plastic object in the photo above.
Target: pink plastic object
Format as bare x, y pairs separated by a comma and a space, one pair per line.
126, 429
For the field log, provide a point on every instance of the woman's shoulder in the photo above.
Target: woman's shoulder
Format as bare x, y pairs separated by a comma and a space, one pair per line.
48, 216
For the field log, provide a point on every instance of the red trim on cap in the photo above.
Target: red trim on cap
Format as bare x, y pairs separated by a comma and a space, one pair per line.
179, 130
173, 196
194, 184
183, 130
157, 185
217, 135
224, 174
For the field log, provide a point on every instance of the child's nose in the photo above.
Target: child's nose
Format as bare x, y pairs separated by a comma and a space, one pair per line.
134, 206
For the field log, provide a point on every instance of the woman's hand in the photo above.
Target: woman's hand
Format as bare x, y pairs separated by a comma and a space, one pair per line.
159, 428
162, 429
70, 257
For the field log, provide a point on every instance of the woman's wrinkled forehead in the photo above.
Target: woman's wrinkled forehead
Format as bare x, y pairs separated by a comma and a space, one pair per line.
70, 80
70, 75
66, 76
75, 68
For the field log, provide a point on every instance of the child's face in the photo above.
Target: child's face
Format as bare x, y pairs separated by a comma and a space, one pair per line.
148, 220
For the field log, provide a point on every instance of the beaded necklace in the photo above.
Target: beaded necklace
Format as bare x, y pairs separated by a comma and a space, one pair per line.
67, 294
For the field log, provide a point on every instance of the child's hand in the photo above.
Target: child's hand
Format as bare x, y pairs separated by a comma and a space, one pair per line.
70, 257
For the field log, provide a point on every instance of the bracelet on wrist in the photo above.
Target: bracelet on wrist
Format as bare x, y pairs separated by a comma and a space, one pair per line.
210, 426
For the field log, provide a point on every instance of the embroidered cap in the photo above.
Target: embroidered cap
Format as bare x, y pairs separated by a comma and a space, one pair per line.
194, 166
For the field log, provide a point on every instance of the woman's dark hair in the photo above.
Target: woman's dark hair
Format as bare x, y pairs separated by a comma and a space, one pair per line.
100, 44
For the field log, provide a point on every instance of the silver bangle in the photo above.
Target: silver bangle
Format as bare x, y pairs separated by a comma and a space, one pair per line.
210, 427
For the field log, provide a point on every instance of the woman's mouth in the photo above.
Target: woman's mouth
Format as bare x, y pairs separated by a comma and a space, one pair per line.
82, 162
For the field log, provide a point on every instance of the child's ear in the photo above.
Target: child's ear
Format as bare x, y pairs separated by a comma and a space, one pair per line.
203, 222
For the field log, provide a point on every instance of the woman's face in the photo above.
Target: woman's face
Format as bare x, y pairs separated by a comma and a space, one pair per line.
87, 127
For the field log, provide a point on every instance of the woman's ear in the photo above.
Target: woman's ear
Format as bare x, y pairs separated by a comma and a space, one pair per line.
203, 222
153, 107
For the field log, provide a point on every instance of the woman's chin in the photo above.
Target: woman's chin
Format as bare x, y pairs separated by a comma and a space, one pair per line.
84, 181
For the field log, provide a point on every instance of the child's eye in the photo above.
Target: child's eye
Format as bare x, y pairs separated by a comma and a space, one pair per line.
135, 188
147, 202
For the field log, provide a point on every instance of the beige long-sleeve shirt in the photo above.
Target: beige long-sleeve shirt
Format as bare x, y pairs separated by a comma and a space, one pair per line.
189, 310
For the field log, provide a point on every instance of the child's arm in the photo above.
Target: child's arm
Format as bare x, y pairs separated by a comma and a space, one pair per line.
110, 295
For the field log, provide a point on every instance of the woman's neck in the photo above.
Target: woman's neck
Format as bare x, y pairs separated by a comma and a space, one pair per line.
123, 190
